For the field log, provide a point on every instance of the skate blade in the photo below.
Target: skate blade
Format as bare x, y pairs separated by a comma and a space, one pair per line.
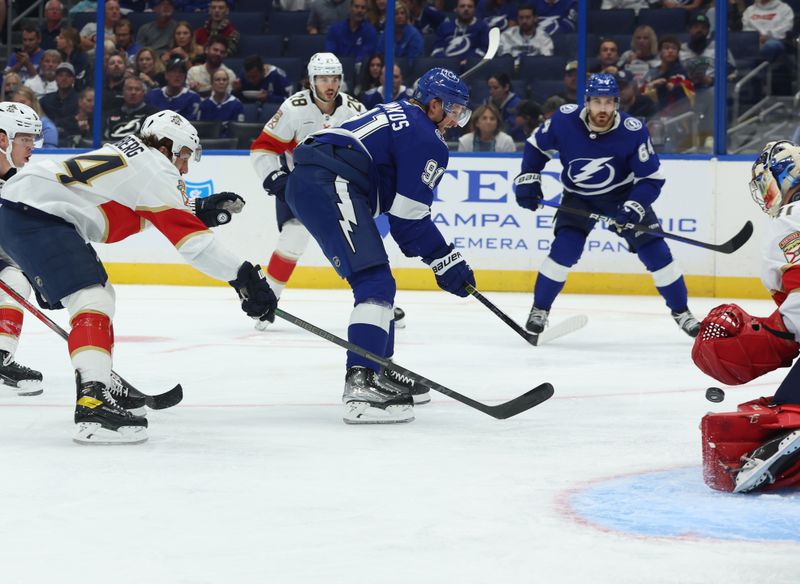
400, 324
94, 433
760, 473
362, 413
31, 387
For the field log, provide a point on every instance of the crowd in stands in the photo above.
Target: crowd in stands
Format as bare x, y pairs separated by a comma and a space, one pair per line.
232, 62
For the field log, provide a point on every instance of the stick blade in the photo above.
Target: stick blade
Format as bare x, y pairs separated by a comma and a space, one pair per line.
494, 43
739, 239
565, 327
520, 404
165, 400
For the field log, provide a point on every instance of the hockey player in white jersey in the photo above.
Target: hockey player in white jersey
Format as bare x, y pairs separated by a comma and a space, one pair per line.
758, 446
20, 127
51, 212
321, 106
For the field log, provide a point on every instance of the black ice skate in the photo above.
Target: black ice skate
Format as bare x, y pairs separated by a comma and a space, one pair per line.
101, 420
18, 378
767, 462
687, 322
400, 383
368, 401
123, 397
399, 318
537, 320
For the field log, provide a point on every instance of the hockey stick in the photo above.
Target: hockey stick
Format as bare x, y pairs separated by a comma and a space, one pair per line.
491, 51
565, 327
154, 402
729, 246
502, 411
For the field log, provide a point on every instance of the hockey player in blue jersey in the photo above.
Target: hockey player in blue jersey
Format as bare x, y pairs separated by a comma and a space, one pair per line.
387, 160
611, 168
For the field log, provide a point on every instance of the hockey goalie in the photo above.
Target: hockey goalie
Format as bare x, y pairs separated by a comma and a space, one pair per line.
757, 448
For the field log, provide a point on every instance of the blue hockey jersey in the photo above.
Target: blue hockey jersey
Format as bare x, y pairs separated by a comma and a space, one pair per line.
456, 40
409, 157
618, 161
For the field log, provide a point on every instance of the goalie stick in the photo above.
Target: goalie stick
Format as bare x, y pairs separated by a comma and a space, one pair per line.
154, 402
565, 327
502, 411
729, 246
491, 51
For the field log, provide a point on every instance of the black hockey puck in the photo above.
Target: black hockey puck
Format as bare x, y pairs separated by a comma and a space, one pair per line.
715, 394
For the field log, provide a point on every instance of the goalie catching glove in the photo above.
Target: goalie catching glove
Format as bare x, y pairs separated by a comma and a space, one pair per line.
452, 272
215, 210
258, 299
735, 347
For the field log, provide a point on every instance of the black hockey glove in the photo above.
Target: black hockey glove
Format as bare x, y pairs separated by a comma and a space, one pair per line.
215, 210
452, 272
258, 300
275, 183
629, 212
529, 190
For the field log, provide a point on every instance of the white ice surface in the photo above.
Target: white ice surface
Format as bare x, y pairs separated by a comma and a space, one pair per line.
254, 477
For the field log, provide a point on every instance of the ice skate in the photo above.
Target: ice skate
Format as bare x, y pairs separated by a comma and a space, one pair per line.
399, 382
18, 378
687, 322
101, 420
399, 318
122, 396
368, 401
767, 462
262, 325
537, 320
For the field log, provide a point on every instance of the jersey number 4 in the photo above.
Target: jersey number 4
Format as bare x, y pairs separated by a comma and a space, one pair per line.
87, 167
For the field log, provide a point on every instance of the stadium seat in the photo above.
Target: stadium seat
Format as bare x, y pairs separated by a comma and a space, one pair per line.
663, 20
196, 19
287, 23
349, 72
264, 45
537, 67
262, 6
294, 68
612, 21
303, 46
422, 64
218, 143
244, 133
140, 18
743, 44
236, 64
248, 22
540, 90
250, 112
566, 45
496, 66
267, 111
207, 129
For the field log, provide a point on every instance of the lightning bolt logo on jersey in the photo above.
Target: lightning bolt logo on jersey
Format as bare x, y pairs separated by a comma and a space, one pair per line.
608, 163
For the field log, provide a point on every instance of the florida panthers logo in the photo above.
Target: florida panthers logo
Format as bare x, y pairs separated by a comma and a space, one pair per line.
591, 173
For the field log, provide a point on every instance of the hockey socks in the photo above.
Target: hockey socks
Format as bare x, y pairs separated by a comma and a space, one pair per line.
90, 343
369, 328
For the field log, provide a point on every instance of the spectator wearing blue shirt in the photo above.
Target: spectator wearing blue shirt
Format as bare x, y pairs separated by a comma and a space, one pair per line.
261, 83
424, 16
175, 95
26, 62
498, 13
505, 100
557, 16
408, 41
465, 36
221, 106
354, 37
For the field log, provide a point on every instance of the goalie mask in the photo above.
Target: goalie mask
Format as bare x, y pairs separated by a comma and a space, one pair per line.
776, 176
18, 118
324, 64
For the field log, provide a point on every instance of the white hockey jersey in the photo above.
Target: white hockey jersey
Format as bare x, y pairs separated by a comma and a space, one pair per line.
116, 191
780, 272
297, 117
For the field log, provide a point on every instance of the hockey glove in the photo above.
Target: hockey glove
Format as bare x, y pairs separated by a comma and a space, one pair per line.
452, 272
258, 300
275, 183
629, 212
215, 210
529, 190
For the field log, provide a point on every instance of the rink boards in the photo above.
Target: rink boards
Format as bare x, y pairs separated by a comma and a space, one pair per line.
475, 208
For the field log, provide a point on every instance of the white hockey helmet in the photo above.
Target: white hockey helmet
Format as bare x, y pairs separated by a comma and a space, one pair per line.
775, 178
18, 118
172, 125
323, 64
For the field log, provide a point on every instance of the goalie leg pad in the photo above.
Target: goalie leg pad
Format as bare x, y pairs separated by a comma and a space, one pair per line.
735, 347
728, 436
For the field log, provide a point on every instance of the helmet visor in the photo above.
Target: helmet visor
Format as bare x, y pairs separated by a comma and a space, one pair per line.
459, 112
186, 153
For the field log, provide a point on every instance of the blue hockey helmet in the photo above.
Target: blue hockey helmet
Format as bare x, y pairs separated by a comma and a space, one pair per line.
601, 85
443, 84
